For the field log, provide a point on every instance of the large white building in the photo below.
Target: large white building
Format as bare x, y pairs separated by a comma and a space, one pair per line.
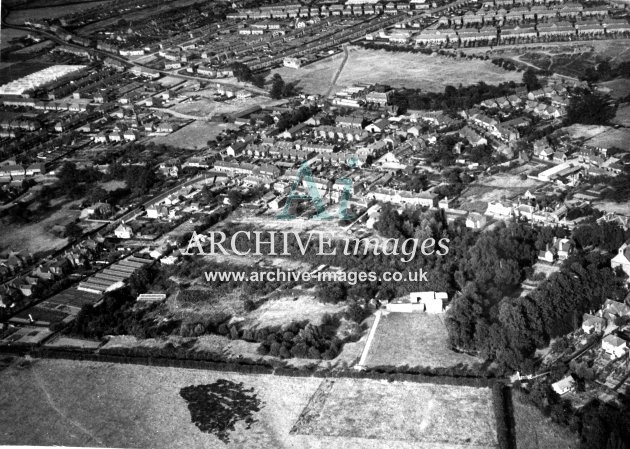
37, 79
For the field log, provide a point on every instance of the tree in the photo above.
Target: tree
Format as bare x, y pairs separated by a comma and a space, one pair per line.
277, 87
73, 231
531, 80
590, 109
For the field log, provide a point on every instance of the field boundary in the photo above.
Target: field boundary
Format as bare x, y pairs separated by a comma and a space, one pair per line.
254, 367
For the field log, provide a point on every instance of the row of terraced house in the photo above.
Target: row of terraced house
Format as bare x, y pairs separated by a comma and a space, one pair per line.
491, 35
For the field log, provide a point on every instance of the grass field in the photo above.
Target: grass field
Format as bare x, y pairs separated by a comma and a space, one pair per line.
623, 116
194, 136
415, 340
578, 131
276, 312
35, 237
8, 35
618, 138
18, 16
60, 402
430, 73
422, 413
495, 187
315, 78
534, 430
622, 208
619, 88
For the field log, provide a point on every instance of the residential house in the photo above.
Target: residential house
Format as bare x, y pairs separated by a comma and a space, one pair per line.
593, 323
622, 258
614, 346
123, 231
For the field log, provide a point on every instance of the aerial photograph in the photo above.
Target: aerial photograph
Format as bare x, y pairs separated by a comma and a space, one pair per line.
315, 224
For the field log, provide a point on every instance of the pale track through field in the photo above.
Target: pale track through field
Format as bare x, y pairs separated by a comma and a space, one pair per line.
60, 412
337, 74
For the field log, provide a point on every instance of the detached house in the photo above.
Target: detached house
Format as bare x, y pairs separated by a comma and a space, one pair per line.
123, 231
592, 323
614, 346
622, 259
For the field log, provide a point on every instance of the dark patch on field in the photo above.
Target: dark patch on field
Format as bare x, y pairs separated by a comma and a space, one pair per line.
217, 407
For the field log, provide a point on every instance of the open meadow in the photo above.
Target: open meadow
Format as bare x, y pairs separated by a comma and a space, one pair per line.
414, 340
449, 415
429, 73
61, 402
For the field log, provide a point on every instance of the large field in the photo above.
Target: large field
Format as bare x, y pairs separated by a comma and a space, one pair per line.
18, 16
59, 402
432, 413
430, 73
414, 340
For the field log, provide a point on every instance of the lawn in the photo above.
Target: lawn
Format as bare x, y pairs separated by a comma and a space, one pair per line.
421, 413
414, 340
429, 73
70, 403
194, 136
534, 430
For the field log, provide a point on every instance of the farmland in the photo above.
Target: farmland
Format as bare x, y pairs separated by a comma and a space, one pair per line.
414, 340
432, 413
141, 406
429, 73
